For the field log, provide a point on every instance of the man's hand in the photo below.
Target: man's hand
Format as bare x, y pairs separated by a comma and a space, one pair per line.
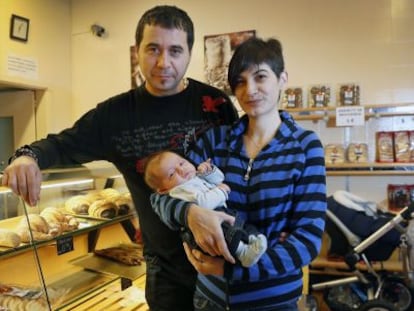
203, 263
24, 178
205, 225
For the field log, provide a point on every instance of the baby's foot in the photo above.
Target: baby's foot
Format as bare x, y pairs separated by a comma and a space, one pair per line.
254, 250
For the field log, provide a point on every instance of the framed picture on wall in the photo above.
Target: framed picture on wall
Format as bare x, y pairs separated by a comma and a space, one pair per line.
136, 77
19, 28
218, 50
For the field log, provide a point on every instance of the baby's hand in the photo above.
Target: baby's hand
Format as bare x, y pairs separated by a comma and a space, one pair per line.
224, 187
205, 167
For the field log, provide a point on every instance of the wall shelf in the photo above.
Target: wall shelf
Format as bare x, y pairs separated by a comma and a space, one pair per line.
367, 169
371, 111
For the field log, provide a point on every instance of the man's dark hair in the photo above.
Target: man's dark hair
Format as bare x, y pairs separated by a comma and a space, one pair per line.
169, 17
253, 52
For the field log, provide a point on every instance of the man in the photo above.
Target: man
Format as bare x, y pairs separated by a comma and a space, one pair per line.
168, 111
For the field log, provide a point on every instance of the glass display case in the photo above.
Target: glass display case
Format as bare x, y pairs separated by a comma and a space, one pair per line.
48, 257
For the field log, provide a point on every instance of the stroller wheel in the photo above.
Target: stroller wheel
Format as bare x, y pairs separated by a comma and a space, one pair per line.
377, 305
396, 292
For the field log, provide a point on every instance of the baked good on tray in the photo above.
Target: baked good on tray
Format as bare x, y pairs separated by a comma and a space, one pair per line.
77, 204
40, 229
103, 209
9, 238
56, 219
128, 255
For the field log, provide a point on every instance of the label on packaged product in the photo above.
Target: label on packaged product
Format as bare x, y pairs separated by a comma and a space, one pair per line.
64, 245
350, 116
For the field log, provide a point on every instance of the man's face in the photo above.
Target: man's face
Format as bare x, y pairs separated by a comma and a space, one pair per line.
163, 57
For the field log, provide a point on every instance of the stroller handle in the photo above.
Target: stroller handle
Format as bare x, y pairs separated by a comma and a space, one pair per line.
405, 214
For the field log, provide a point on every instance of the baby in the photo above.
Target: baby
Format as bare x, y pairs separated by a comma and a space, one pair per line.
167, 172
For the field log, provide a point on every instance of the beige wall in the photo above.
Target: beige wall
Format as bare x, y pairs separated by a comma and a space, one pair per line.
50, 45
370, 42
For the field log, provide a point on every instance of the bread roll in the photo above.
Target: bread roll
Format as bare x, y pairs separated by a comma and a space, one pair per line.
103, 209
77, 204
9, 238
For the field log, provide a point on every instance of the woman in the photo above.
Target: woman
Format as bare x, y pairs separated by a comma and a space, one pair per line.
276, 171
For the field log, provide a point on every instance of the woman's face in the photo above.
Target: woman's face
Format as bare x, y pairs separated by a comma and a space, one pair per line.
258, 90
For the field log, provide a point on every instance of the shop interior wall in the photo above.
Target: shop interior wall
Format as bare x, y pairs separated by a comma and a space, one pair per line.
369, 42
49, 45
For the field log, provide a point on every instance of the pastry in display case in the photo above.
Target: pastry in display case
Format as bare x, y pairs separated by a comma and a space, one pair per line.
80, 237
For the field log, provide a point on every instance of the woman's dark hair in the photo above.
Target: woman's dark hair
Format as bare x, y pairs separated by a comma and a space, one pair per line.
252, 52
169, 17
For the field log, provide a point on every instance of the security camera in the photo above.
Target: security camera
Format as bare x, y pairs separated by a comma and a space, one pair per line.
98, 30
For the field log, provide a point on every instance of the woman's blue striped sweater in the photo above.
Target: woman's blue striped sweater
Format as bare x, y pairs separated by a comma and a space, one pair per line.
284, 191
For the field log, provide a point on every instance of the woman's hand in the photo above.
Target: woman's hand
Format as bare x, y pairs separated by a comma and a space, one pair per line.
205, 225
203, 263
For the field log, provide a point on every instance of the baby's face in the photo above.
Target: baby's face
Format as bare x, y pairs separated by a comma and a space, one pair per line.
173, 171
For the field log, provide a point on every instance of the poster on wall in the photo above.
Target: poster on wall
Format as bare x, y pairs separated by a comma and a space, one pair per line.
218, 50
136, 77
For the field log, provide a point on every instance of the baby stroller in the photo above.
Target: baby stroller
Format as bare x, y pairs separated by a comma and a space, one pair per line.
367, 289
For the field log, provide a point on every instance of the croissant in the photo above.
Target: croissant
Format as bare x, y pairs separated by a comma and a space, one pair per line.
56, 218
110, 194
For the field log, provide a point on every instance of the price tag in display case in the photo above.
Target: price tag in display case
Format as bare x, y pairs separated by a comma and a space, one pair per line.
64, 245
350, 116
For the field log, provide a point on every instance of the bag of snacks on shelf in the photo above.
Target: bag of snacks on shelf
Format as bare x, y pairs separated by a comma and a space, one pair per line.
411, 134
348, 94
357, 153
319, 96
399, 196
402, 146
385, 146
334, 153
293, 97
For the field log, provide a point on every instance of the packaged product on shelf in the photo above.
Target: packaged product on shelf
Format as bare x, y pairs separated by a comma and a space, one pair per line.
319, 96
334, 154
293, 97
399, 196
411, 134
349, 94
357, 153
384, 146
402, 146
